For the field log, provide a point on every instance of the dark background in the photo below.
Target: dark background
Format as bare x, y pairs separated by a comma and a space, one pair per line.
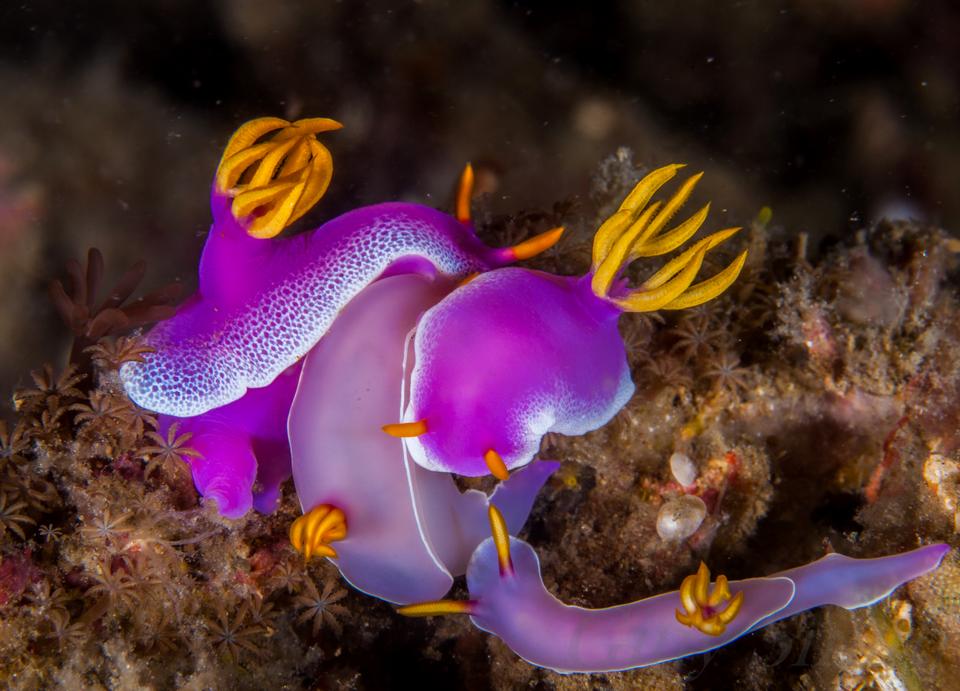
113, 115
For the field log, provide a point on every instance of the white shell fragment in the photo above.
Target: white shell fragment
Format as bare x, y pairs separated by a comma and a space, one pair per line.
684, 470
679, 518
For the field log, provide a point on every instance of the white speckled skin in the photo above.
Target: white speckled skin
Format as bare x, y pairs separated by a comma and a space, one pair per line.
263, 304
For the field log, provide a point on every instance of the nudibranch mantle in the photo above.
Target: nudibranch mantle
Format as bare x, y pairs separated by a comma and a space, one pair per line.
262, 305
544, 355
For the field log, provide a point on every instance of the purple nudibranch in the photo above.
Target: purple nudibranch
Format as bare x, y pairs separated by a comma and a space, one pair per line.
296, 354
545, 632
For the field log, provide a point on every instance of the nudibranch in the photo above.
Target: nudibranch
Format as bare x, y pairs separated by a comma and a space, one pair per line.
509, 600
544, 351
376, 355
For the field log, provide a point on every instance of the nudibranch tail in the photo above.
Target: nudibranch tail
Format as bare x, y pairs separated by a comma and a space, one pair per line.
533, 246
517, 607
637, 230
275, 171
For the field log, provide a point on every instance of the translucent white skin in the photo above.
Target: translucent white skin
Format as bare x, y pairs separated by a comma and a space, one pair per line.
518, 608
409, 530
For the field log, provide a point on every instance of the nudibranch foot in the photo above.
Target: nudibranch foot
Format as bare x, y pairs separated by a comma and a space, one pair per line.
225, 470
242, 451
508, 599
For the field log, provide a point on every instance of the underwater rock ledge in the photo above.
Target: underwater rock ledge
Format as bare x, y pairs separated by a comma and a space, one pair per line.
818, 402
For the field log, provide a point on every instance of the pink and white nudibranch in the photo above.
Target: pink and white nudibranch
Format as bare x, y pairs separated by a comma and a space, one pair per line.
296, 351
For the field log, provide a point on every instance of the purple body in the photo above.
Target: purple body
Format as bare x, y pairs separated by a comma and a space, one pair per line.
541, 629
225, 365
242, 445
263, 304
507, 358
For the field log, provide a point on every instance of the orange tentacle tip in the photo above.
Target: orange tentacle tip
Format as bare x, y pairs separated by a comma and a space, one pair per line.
437, 608
496, 465
501, 539
535, 245
403, 430
464, 194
